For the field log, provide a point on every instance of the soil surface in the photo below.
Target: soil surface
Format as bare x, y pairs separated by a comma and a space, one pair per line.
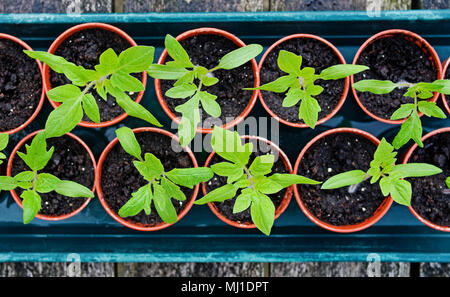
329, 156
84, 48
70, 161
20, 85
395, 59
120, 178
428, 199
206, 51
315, 54
226, 207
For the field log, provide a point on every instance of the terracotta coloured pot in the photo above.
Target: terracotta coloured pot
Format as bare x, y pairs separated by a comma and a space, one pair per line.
57, 43
419, 41
445, 69
344, 93
113, 214
19, 201
41, 100
284, 203
235, 40
379, 213
405, 160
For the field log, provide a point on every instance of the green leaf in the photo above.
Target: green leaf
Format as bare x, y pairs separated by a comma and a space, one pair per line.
221, 194
289, 62
25, 176
181, 91
151, 168
7, 183
190, 117
239, 56
399, 189
140, 200
262, 165
46, 182
4, 139
447, 182
209, 104
177, 52
279, 85
129, 142
415, 170
90, 107
404, 111
228, 145
163, 205
344, 179
410, 129
309, 111
375, 86
286, 180
230, 170
64, 118
190, 177
263, 212
172, 189
64, 93
108, 62
166, 72
444, 86
31, 205
293, 96
125, 82
209, 81
136, 110
37, 155
266, 185
431, 109
243, 201
341, 71
136, 59
72, 189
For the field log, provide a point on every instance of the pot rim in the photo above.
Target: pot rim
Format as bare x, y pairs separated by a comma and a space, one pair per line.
19, 201
405, 160
287, 196
377, 215
63, 36
114, 215
418, 40
445, 67
42, 98
344, 93
235, 40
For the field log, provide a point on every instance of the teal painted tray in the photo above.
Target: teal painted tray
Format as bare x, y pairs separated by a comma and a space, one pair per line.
200, 236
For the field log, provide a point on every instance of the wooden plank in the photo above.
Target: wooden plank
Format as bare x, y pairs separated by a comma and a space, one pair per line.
192, 5
340, 269
435, 269
435, 4
370, 5
34, 269
190, 269
51, 6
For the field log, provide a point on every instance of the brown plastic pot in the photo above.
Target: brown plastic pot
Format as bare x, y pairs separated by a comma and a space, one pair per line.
444, 71
413, 37
379, 213
113, 214
284, 203
344, 93
405, 160
19, 201
57, 43
235, 40
41, 100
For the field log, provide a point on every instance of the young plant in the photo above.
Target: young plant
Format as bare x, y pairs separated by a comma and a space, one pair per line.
110, 76
251, 179
161, 186
4, 139
34, 182
420, 92
384, 170
298, 83
191, 78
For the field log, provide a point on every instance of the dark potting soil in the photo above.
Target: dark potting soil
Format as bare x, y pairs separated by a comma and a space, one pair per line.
20, 85
70, 161
226, 207
120, 178
206, 51
396, 59
329, 156
428, 199
315, 54
84, 48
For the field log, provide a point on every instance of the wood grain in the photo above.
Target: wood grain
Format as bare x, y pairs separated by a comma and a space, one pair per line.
192, 5
52, 6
